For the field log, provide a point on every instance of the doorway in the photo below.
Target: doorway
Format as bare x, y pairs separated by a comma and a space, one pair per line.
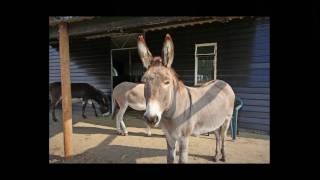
126, 66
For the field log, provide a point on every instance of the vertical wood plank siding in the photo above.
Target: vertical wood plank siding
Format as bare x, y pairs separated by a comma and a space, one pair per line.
89, 63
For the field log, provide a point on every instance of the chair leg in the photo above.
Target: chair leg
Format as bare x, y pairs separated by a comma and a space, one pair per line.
236, 131
232, 128
234, 125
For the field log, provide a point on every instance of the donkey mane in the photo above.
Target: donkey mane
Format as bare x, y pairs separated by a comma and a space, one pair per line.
207, 83
177, 82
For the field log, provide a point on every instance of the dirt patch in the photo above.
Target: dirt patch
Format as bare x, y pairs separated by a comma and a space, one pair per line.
95, 141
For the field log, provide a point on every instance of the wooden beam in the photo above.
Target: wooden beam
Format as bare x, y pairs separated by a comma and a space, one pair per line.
94, 26
66, 89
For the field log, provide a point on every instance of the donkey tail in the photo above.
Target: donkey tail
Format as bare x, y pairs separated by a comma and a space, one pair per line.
115, 108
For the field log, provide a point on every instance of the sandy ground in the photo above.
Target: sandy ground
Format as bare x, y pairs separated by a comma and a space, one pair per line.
95, 141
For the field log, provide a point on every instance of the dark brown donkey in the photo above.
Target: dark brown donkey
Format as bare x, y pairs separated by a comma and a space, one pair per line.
180, 110
82, 91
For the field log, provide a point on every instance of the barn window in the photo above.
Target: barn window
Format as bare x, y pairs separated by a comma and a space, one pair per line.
205, 63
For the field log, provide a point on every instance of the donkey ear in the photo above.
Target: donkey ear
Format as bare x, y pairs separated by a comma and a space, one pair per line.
168, 51
144, 53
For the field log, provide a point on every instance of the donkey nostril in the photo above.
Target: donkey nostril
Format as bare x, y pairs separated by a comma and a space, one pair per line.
145, 117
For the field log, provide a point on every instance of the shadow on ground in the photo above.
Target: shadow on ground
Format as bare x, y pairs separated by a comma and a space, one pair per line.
131, 119
117, 154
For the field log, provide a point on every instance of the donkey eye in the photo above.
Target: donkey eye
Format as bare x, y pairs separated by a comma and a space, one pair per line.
167, 82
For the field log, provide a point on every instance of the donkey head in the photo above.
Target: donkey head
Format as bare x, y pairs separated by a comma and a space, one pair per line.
159, 79
102, 100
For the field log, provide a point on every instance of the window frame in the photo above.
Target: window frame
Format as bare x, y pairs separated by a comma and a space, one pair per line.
215, 47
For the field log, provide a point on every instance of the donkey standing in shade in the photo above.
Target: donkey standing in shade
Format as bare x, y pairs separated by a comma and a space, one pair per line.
79, 91
127, 94
180, 110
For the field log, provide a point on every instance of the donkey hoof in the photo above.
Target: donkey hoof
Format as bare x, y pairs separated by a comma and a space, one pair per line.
85, 117
149, 135
123, 133
223, 159
214, 159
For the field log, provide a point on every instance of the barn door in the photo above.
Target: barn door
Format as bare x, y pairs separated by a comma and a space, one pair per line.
126, 65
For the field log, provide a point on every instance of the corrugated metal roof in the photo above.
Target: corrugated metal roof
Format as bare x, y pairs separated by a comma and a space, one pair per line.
105, 25
192, 22
55, 20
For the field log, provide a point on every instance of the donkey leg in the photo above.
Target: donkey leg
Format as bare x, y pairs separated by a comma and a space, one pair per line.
183, 144
148, 129
94, 108
218, 142
55, 103
223, 158
123, 126
171, 146
53, 111
84, 104
120, 121
223, 133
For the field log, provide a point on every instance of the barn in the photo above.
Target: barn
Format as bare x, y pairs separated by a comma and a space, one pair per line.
235, 49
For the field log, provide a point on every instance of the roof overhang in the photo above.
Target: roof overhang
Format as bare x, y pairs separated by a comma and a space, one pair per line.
89, 25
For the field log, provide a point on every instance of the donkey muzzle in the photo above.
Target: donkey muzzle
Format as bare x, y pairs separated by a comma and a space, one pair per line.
151, 120
106, 114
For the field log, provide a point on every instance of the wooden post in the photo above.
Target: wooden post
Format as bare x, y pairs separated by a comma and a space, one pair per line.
66, 89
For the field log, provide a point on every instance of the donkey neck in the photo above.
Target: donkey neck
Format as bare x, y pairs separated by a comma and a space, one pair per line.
180, 107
